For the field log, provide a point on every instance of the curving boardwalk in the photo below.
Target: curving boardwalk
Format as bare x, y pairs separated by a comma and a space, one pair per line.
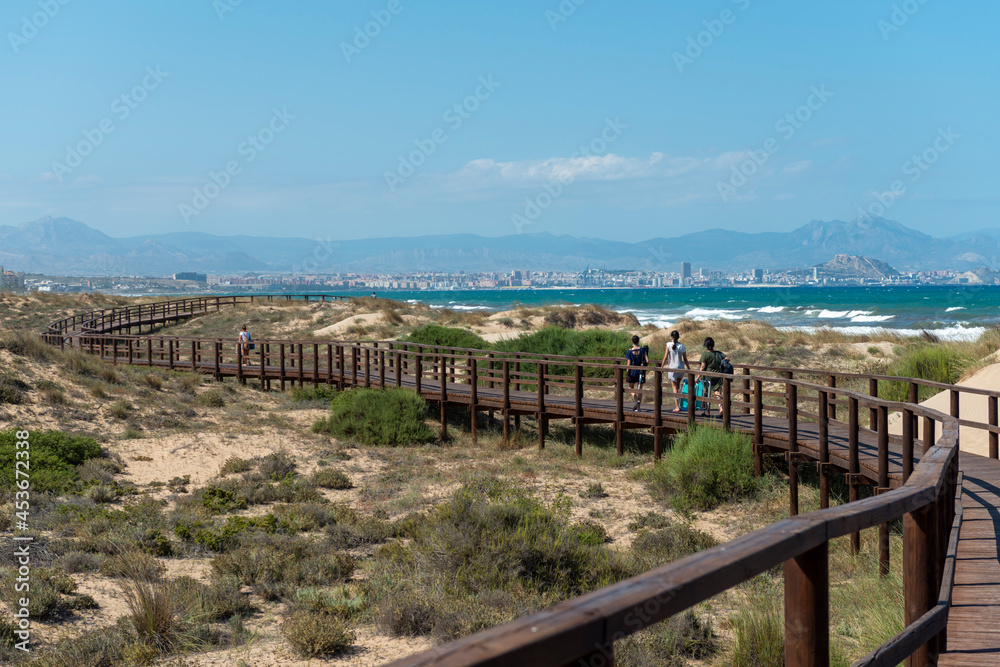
807, 416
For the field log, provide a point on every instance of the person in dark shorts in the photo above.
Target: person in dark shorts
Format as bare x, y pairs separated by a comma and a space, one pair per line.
711, 361
636, 357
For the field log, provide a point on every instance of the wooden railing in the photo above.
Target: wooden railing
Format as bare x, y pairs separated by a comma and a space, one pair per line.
915, 475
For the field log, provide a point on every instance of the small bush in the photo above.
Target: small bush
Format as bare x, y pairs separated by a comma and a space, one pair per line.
671, 543
12, 390
151, 607
132, 564
320, 393
54, 457
132, 432
220, 600
54, 396
672, 643
109, 375
328, 478
434, 334
594, 490
80, 561
101, 494
391, 417
211, 399
234, 465
313, 634
277, 466
120, 409
705, 468
152, 381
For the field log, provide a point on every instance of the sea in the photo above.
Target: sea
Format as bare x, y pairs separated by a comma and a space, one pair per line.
949, 312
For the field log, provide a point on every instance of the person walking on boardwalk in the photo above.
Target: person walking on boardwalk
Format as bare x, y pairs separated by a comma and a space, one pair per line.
675, 357
636, 357
713, 361
245, 345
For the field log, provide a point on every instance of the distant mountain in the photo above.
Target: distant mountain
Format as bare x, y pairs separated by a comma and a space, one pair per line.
854, 267
62, 246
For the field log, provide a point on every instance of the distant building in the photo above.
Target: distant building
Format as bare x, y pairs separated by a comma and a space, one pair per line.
197, 277
758, 275
685, 272
9, 280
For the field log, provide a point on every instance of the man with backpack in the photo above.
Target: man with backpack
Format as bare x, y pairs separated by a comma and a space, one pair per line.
714, 361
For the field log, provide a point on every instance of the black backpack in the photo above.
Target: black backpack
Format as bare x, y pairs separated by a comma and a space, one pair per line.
727, 367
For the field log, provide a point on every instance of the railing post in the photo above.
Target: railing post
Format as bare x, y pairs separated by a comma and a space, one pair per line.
993, 422
418, 378
619, 410
444, 398
691, 399
218, 360
354, 365
316, 365
368, 367
578, 399
329, 364
919, 573
281, 367
807, 609
872, 411
340, 366
823, 467
473, 397
658, 415
792, 393
541, 406
397, 369
746, 391
301, 369
758, 428
832, 411
381, 368
727, 403
954, 403
883, 483
908, 419
853, 464
506, 401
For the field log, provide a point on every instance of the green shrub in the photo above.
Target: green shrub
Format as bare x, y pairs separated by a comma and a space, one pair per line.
937, 363
234, 465
490, 553
391, 417
315, 635
220, 600
54, 457
27, 344
211, 399
672, 643
320, 393
434, 334
12, 390
120, 409
670, 543
132, 432
329, 478
555, 340
705, 468
47, 599
277, 466
152, 381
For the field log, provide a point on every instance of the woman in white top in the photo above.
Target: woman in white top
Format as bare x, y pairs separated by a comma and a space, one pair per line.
676, 358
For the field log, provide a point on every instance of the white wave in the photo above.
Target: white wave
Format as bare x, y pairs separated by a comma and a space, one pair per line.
702, 314
771, 309
872, 318
947, 333
954, 308
470, 307
838, 314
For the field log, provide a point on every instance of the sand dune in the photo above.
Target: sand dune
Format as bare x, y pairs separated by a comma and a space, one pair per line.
971, 408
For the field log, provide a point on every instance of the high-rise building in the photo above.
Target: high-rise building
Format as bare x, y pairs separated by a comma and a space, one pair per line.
758, 275
685, 272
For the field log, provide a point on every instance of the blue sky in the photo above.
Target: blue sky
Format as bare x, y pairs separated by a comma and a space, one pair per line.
586, 117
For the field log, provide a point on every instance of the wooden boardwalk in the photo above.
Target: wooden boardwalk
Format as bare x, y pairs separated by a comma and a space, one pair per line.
785, 425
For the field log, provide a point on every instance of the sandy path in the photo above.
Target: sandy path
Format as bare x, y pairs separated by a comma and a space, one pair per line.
971, 408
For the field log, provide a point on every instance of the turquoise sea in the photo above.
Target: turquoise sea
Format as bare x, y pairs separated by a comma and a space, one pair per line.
952, 312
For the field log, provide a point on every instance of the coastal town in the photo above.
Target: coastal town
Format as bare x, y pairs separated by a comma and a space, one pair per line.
843, 270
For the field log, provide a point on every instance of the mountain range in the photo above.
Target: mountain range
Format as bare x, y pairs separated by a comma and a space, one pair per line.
61, 246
